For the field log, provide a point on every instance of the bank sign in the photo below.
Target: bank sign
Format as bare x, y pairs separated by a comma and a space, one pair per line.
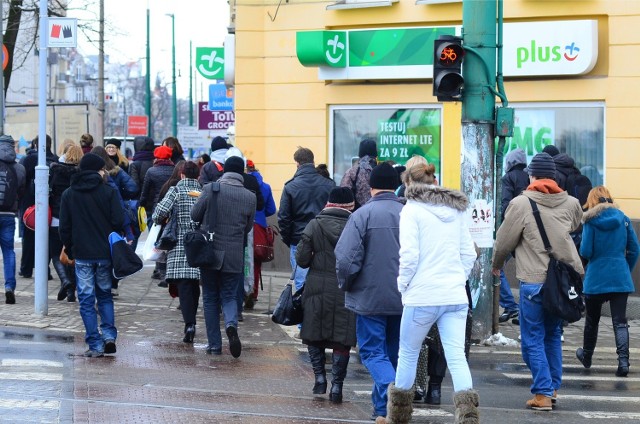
530, 49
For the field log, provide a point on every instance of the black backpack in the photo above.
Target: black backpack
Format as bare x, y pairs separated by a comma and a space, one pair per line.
8, 186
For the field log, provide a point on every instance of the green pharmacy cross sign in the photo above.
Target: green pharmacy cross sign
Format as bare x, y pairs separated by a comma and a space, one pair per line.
395, 53
210, 62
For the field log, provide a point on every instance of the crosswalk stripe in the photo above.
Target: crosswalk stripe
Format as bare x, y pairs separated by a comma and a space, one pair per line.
30, 363
428, 412
30, 376
575, 378
563, 396
610, 415
29, 404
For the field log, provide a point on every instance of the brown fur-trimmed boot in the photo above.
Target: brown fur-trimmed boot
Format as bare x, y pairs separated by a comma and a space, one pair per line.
466, 403
399, 406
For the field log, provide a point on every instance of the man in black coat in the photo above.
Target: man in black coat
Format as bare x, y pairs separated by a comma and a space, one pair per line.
30, 161
303, 197
89, 211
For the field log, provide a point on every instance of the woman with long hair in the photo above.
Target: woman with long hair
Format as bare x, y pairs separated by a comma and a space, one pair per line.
436, 257
176, 148
611, 247
115, 154
176, 204
327, 324
59, 180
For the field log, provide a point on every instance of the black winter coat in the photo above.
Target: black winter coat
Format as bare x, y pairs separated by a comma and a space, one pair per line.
89, 211
142, 161
325, 317
514, 182
59, 180
153, 181
302, 199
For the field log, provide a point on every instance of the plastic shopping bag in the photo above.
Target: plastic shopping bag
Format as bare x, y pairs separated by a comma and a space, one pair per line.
149, 252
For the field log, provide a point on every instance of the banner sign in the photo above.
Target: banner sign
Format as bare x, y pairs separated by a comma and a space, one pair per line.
219, 120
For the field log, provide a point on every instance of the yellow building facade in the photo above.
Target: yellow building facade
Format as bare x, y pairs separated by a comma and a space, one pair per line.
589, 112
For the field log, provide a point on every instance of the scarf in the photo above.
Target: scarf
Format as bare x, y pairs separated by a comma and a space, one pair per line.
546, 186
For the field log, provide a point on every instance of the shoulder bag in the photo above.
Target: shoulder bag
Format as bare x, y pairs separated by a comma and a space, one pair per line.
169, 234
562, 290
199, 245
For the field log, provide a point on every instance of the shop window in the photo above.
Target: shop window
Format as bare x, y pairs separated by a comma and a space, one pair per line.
400, 132
574, 128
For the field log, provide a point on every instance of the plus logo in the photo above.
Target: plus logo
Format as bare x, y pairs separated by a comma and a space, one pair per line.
571, 52
335, 49
210, 62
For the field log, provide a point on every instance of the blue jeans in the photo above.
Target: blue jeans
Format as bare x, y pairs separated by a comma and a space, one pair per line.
301, 273
219, 288
541, 343
7, 231
507, 301
416, 323
378, 338
93, 279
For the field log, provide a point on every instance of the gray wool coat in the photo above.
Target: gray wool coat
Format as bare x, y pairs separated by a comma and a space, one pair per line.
177, 203
235, 211
325, 317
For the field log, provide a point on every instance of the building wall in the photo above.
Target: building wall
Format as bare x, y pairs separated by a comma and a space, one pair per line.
281, 105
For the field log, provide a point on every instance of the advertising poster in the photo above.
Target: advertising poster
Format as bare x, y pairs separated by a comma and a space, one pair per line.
481, 224
533, 130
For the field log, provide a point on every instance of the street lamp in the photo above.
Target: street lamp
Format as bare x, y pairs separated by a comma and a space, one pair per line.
174, 100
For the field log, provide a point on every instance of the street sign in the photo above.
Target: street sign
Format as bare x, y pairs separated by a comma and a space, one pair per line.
137, 125
214, 120
220, 98
5, 57
210, 62
63, 32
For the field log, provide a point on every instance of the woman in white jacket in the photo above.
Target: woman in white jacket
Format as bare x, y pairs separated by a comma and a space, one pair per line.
436, 257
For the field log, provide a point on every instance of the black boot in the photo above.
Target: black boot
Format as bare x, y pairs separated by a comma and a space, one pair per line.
434, 393
316, 355
621, 332
339, 371
71, 292
589, 340
189, 333
65, 282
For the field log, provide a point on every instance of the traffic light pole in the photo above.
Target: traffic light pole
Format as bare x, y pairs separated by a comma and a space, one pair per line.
478, 115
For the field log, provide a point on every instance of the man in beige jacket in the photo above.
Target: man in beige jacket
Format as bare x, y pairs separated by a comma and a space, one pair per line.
540, 332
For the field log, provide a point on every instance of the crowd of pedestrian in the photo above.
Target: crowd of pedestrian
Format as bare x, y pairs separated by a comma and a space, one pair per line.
383, 259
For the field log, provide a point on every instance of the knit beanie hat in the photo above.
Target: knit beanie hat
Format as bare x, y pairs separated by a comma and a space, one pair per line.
218, 143
341, 197
163, 152
551, 149
234, 164
91, 162
542, 166
384, 177
368, 148
115, 142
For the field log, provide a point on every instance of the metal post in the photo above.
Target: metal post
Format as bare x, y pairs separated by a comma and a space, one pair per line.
2, 72
101, 67
174, 97
148, 78
42, 177
478, 110
190, 84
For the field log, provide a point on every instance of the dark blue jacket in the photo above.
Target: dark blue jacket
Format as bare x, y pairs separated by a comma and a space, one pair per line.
269, 207
611, 247
368, 255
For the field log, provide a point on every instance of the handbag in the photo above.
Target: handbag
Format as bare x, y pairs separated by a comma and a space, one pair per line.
64, 258
288, 309
562, 290
169, 235
263, 239
124, 260
29, 217
199, 245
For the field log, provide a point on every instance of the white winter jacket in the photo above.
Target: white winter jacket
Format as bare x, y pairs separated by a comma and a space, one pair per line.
436, 249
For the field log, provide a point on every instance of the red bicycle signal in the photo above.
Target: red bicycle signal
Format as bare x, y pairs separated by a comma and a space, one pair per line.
450, 55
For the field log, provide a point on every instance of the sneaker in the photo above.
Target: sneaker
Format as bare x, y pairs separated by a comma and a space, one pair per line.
214, 350
540, 403
507, 315
114, 292
11, 297
109, 346
234, 341
93, 354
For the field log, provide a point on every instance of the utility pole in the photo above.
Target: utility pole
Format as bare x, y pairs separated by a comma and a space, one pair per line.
101, 107
190, 84
2, 72
148, 78
174, 97
478, 116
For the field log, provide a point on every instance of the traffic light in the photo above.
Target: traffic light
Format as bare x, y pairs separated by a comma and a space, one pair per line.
447, 68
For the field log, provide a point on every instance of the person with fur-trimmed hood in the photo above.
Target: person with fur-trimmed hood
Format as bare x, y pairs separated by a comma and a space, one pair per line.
436, 258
